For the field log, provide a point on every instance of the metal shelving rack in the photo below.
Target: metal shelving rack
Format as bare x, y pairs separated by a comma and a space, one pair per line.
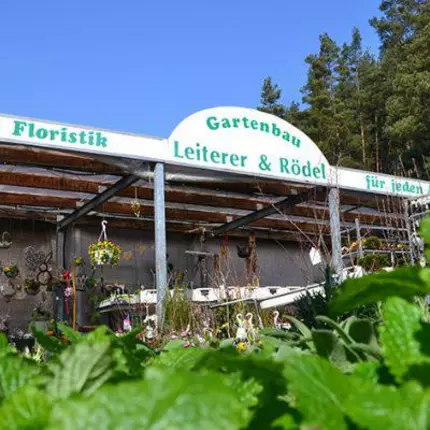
391, 235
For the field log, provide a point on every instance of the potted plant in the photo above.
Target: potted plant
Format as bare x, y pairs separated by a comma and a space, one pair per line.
372, 242
373, 262
32, 287
11, 271
104, 252
41, 319
22, 340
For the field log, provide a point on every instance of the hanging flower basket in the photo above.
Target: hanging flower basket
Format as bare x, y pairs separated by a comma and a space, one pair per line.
11, 271
104, 253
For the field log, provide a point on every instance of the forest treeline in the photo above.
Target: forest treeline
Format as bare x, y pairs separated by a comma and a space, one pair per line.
367, 111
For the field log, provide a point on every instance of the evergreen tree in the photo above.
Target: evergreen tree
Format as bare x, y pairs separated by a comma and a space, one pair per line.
405, 60
366, 111
270, 99
327, 119
295, 116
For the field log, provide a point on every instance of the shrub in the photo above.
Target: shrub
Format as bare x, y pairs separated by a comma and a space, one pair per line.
372, 242
374, 262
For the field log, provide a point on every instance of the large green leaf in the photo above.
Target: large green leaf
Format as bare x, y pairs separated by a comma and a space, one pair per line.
405, 282
72, 335
267, 373
277, 333
285, 422
397, 335
49, 343
15, 372
362, 331
81, 368
341, 332
181, 358
129, 355
26, 409
425, 232
320, 391
328, 345
3, 342
163, 401
246, 389
303, 329
367, 370
382, 407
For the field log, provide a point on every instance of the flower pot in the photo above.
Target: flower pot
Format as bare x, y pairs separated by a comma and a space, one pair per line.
32, 287
42, 326
12, 275
21, 344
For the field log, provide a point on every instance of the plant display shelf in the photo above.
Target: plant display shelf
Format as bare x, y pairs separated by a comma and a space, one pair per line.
198, 295
394, 237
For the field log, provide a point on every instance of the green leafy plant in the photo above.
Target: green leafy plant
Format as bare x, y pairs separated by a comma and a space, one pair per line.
374, 262
348, 373
372, 242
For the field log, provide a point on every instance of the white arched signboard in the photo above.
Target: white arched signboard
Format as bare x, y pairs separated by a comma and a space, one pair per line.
250, 142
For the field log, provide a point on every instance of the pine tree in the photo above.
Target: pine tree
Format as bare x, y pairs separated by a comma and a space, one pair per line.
405, 60
270, 99
325, 117
367, 111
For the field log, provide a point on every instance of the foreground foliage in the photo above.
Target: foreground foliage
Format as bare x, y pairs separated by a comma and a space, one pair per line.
346, 375
349, 373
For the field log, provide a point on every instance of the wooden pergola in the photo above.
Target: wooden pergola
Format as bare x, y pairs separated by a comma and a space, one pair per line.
49, 186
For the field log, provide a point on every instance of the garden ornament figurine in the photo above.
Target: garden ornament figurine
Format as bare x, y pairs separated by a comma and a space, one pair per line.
241, 333
207, 331
5, 244
151, 319
251, 330
277, 324
126, 325
186, 332
149, 333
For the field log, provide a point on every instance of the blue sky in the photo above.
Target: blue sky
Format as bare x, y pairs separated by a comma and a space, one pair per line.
144, 65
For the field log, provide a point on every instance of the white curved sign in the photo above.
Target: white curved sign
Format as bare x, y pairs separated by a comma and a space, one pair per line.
241, 140
229, 139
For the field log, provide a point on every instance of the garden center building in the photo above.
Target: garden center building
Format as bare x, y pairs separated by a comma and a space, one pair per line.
233, 198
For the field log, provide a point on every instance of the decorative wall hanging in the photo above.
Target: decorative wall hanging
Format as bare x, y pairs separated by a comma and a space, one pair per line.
7, 291
11, 271
19, 284
44, 277
104, 252
33, 259
4, 243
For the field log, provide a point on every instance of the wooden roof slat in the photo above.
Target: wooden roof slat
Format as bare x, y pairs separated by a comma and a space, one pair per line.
148, 211
146, 225
54, 159
144, 191
173, 194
